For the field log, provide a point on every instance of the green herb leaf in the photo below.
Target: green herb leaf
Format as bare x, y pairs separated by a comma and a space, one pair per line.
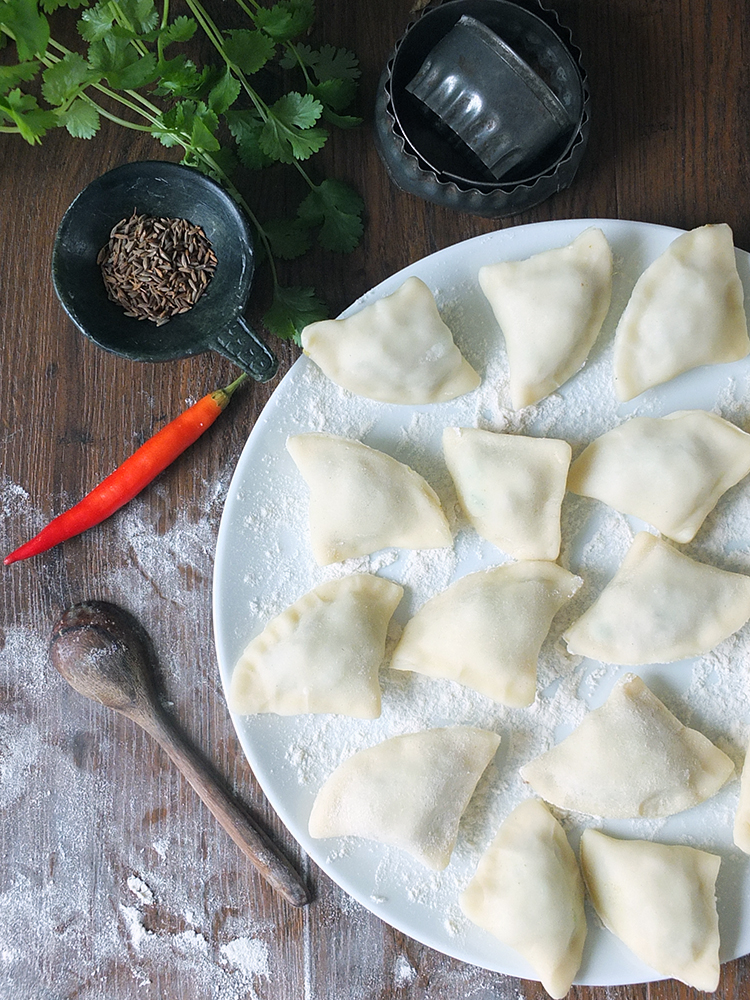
338, 209
292, 310
224, 93
81, 119
336, 64
202, 133
249, 50
63, 80
179, 77
340, 121
288, 134
50, 6
328, 62
286, 20
23, 111
29, 28
289, 238
11, 76
96, 23
246, 128
139, 15
181, 29
335, 94
120, 63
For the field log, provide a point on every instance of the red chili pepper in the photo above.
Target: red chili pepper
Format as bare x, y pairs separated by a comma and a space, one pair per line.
132, 476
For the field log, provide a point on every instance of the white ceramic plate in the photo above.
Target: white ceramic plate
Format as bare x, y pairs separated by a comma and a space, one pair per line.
263, 564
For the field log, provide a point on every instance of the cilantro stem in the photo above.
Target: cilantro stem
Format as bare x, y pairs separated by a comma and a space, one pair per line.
125, 23
216, 39
226, 181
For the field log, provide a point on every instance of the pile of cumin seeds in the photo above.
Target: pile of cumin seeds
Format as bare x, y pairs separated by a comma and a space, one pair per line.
156, 268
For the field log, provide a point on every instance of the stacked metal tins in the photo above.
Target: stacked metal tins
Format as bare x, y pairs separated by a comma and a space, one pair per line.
483, 106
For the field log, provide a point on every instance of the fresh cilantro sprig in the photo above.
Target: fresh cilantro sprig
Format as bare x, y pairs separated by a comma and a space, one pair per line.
128, 69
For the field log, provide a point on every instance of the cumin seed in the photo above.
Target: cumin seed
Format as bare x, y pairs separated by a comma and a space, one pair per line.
156, 268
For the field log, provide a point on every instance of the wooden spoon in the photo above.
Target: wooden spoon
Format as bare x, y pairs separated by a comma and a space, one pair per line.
105, 654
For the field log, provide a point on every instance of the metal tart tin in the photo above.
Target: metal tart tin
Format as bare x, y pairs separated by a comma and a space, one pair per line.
444, 153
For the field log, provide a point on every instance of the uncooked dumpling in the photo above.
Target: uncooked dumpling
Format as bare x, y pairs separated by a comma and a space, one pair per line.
742, 816
511, 488
409, 791
550, 308
660, 606
659, 899
322, 654
362, 500
528, 892
486, 630
629, 758
687, 309
669, 471
397, 350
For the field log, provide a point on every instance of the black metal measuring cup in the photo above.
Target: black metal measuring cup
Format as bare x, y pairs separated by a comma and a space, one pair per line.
215, 322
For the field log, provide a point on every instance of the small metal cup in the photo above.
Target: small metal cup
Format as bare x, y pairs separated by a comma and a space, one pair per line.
489, 97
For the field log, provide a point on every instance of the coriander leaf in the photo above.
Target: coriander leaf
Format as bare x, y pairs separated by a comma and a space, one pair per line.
139, 15
246, 128
248, 50
50, 6
180, 117
297, 110
11, 76
28, 27
338, 209
23, 111
202, 135
288, 238
63, 80
81, 119
96, 23
121, 64
285, 20
291, 311
224, 93
287, 135
336, 64
181, 29
178, 77
285, 144
139, 73
341, 121
335, 94
167, 137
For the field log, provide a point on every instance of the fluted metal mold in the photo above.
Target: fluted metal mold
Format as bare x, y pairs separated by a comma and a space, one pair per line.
410, 171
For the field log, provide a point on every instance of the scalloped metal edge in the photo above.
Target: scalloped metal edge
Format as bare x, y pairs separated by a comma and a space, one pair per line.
452, 194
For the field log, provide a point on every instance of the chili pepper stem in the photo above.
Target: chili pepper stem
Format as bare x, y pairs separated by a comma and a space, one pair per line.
222, 396
135, 473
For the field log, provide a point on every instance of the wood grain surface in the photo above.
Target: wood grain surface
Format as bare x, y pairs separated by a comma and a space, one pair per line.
114, 880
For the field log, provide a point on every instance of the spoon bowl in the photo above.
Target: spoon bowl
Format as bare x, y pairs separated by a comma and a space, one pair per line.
216, 321
105, 654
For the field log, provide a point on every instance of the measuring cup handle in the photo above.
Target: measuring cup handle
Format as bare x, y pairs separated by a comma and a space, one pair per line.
242, 345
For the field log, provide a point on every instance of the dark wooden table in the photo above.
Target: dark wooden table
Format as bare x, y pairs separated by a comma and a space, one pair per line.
114, 881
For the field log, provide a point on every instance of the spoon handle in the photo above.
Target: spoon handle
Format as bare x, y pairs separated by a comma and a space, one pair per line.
243, 830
